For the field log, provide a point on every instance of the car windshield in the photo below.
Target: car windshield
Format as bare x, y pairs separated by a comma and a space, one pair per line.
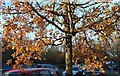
39, 66
75, 68
12, 74
53, 66
96, 70
41, 73
89, 74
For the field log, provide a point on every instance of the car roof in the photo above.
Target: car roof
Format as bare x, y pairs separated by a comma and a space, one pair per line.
43, 64
75, 66
30, 70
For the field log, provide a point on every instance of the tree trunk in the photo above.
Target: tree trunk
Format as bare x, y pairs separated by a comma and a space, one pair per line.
68, 55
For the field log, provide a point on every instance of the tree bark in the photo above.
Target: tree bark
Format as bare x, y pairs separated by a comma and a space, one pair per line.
68, 55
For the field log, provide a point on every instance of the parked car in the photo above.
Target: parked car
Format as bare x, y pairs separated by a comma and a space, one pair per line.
95, 73
43, 66
75, 69
22, 66
32, 65
111, 65
79, 73
56, 68
5, 67
82, 65
31, 72
48, 66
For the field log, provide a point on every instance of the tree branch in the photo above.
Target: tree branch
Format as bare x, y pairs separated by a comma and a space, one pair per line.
87, 41
78, 4
53, 44
88, 16
51, 22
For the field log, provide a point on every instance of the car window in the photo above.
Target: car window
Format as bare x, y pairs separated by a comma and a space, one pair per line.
41, 73
13, 74
75, 68
46, 66
39, 66
54, 67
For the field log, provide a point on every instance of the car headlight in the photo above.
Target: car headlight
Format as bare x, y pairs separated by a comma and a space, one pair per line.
83, 73
97, 73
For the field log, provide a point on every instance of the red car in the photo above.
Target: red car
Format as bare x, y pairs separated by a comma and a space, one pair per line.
31, 72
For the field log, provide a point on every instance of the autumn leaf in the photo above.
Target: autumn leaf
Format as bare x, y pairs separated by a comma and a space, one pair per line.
27, 48
50, 7
100, 39
106, 12
9, 62
14, 26
15, 66
46, 23
109, 21
115, 8
14, 19
3, 11
13, 47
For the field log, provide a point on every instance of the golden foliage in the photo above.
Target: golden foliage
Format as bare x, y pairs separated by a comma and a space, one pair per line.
26, 18
9, 62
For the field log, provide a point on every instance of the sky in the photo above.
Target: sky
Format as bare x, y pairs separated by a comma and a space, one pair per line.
82, 1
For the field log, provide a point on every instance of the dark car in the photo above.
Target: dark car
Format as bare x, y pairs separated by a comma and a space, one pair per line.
95, 73
111, 65
80, 73
43, 66
56, 68
31, 72
75, 69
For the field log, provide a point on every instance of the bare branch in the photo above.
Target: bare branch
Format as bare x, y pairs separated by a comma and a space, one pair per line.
87, 41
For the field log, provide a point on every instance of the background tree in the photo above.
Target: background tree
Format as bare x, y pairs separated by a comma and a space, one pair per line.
59, 23
53, 56
6, 52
